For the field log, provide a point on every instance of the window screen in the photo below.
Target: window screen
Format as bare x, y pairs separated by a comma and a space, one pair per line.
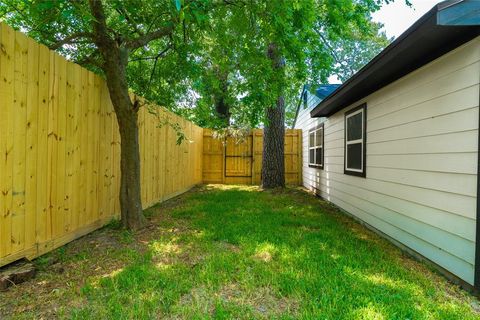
315, 147
355, 134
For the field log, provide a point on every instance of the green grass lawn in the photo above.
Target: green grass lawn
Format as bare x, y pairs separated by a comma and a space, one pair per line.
235, 252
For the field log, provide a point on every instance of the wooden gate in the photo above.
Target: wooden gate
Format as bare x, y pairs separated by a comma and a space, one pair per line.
239, 158
231, 162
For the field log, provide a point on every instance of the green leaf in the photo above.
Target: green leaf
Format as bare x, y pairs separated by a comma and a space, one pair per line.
178, 4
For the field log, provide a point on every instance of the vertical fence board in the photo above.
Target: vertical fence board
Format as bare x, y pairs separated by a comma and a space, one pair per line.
6, 117
106, 156
17, 147
70, 147
156, 164
147, 153
19, 142
89, 148
101, 152
77, 179
52, 146
59, 218
92, 146
83, 148
141, 137
31, 144
98, 86
162, 131
3, 115
152, 156
43, 220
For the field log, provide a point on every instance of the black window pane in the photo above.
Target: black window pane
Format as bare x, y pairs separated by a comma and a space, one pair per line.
311, 142
354, 156
311, 158
319, 138
354, 127
318, 156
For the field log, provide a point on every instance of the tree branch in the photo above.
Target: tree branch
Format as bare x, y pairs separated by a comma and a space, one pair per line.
129, 20
70, 39
143, 58
237, 3
92, 59
332, 50
143, 40
156, 57
99, 25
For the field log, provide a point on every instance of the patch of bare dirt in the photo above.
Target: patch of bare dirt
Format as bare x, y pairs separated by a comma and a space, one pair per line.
263, 256
228, 246
310, 229
64, 272
197, 296
262, 300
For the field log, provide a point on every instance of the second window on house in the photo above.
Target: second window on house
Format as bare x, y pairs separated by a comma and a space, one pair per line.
315, 147
355, 141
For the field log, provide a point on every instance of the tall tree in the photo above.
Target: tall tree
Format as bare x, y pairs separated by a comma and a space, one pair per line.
282, 49
104, 35
273, 164
350, 54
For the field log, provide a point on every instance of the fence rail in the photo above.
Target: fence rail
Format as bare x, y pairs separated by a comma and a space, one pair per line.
60, 151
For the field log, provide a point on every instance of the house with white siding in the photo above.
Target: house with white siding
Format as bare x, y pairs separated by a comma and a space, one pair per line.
396, 146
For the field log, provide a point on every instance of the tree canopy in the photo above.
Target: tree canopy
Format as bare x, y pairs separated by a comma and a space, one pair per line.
224, 64
351, 54
216, 53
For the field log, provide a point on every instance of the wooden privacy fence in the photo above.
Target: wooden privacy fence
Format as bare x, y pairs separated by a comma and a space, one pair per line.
231, 162
59, 151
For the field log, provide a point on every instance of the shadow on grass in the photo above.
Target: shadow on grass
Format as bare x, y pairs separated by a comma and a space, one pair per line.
244, 254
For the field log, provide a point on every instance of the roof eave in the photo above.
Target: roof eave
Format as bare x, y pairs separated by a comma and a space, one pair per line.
375, 74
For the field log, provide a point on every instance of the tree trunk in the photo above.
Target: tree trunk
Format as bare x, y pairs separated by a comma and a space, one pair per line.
222, 109
273, 163
130, 187
126, 112
115, 60
221, 106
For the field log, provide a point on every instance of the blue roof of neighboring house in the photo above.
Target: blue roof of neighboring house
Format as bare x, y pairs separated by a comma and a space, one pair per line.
322, 91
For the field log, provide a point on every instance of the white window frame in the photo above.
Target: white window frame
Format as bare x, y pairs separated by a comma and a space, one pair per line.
313, 131
361, 141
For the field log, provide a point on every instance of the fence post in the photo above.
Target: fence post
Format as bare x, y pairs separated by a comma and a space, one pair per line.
300, 156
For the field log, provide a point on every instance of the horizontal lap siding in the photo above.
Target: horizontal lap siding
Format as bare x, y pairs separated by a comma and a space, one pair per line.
305, 122
422, 137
